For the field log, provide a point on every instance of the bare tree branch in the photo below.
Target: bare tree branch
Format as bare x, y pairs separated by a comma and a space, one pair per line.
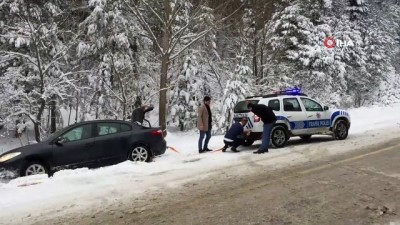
202, 34
28, 57
155, 13
144, 23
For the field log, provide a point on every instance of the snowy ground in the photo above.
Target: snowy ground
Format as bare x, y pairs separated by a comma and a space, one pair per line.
74, 190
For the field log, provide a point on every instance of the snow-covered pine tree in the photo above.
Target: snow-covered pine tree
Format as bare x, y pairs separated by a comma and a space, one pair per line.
367, 52
111, 41
388, 15
236, 89
168, 24
239, 81
34, 53
297, 55
186, 96
193, 79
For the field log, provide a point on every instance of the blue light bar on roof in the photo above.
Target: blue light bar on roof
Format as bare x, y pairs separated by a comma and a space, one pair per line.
292, 91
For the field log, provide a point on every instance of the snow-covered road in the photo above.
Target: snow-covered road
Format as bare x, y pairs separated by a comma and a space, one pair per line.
75, 190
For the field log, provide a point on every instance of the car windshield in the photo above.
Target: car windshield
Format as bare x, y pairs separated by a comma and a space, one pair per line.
241, 107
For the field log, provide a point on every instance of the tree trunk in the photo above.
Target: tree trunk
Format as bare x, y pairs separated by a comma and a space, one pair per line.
77, 108
163, 92
38, 120
53, 126
70, 111
255, 66
124, 111
164, 67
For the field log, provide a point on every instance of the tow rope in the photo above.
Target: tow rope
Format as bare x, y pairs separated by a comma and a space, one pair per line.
175, 150
217, 150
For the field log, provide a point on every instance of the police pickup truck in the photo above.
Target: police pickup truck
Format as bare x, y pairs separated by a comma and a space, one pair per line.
297, 115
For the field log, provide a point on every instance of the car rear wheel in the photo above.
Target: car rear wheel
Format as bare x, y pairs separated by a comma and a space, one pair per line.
34, 168
140, 153
340, 130
305, 137
279, 136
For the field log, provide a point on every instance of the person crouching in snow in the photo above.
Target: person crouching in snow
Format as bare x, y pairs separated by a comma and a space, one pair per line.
235, 135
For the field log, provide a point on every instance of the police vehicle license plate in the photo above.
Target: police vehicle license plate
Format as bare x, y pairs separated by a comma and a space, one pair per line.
241, 115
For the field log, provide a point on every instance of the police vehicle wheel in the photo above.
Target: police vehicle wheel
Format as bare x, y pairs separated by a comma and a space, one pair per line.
279, 136
341, 131
305, 137
248, 142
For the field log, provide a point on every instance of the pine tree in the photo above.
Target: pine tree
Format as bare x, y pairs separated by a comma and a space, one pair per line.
236, 89
111, 43
186, 96
35, 52
367, 59
297, 56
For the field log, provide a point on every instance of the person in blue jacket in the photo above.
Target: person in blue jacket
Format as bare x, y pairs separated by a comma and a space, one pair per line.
235, 135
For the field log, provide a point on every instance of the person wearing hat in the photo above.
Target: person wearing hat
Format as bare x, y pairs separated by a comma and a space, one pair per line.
235, 135
268, 117
204, 124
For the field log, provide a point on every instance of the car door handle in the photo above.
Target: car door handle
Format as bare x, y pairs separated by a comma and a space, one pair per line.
289, 116
310, 116
89, 144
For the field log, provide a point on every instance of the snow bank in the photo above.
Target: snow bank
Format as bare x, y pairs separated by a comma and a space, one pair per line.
374, 117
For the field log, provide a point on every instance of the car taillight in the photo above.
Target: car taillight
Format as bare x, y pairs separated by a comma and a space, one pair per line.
257, 119
157, 133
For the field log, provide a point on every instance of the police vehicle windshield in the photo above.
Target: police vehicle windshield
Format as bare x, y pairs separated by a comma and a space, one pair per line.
241, 107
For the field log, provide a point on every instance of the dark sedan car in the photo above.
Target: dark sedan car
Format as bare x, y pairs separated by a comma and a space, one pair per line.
88, 144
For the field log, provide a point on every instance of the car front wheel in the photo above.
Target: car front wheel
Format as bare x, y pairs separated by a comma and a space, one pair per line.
340, 130
140, 153
279, 136
34, 168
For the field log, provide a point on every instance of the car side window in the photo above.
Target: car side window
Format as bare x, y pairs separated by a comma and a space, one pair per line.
125, 127
291, 105
108, 128
311, 105
274, 104
78, 133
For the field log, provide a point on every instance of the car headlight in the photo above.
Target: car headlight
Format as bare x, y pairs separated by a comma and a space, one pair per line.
9, 156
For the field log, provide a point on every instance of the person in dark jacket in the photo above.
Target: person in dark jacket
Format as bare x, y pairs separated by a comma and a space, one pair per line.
235, 136
268, 117
138, 113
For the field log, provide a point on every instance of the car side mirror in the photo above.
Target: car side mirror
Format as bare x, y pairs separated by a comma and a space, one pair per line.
326, 108
60, 140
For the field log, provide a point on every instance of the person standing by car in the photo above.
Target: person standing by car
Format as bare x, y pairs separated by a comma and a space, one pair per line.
138, 113
235, 136
268, 117
204, 124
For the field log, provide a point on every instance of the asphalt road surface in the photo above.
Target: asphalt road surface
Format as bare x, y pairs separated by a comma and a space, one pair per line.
361, 187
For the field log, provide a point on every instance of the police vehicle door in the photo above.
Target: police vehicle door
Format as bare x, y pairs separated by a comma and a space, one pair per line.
318, 120
295, 115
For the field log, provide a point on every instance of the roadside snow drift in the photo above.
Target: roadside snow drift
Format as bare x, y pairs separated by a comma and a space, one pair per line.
70, 190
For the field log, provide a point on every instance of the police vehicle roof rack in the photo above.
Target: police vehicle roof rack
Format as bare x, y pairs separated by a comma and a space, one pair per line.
274, 95
289, 91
